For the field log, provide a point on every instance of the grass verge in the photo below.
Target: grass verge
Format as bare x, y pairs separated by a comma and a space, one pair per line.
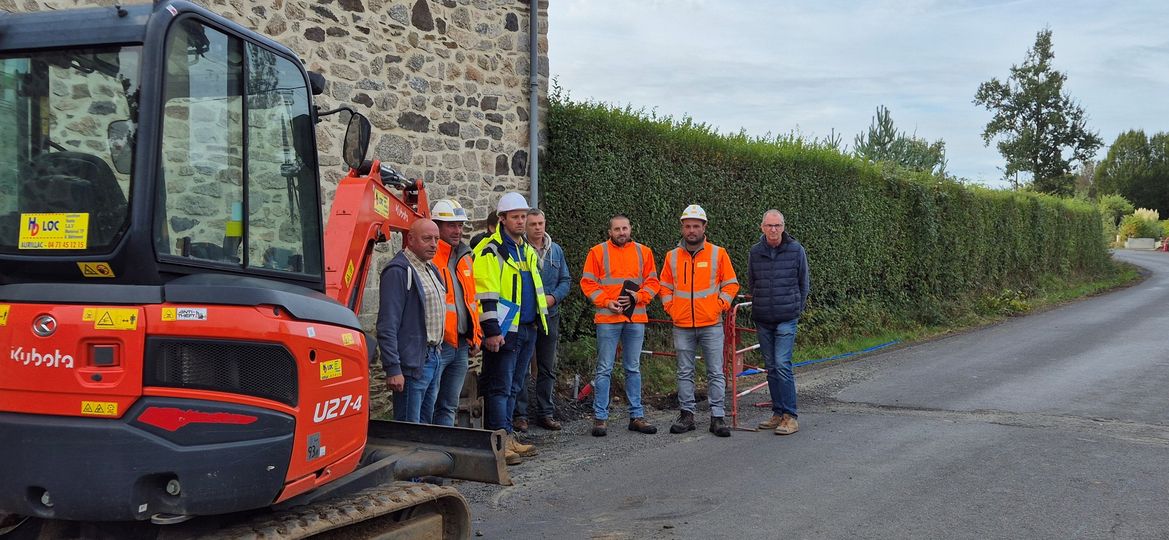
658, 372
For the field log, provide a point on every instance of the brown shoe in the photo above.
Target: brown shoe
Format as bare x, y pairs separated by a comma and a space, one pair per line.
787, 426
511, 458
640, 425
776, 419
549, 423
524, 450
599, 429
520, 424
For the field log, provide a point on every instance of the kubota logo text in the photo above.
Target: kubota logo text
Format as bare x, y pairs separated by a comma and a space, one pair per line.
33, 358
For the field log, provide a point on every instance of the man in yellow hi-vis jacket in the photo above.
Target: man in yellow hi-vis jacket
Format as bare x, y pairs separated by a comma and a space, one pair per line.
512, 309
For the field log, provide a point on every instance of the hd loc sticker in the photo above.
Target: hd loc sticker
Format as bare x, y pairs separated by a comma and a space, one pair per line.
54, 231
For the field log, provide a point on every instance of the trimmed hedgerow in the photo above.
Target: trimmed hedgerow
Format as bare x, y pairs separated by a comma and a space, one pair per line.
886, 246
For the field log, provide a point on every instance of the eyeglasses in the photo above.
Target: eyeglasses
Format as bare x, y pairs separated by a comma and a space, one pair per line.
776, 226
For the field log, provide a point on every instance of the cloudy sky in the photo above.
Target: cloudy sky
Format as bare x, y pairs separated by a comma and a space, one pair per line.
816, 65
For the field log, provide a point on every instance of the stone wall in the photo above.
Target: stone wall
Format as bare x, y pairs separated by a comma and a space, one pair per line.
445, 83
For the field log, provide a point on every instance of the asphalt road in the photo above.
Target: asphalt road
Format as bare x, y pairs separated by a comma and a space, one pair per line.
1054, 425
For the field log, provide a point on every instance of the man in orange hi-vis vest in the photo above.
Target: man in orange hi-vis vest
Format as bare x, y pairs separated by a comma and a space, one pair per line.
463, 335
698, 285
620, 279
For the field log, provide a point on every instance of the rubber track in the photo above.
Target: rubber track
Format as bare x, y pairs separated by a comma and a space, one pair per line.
306, 521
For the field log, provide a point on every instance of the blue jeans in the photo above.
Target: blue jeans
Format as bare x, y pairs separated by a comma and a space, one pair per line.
502, 379
441, 402
408, 403
545, 373
686, 343
775, 342
631, 336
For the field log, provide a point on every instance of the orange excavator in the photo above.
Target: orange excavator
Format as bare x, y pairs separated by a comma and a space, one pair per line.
181, 351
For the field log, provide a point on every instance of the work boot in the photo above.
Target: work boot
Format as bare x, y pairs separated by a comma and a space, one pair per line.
599, 428
773, 423
511, 458
718, 426
520, 424
548, 423
524, 450
685, 423
787, 426
640, 425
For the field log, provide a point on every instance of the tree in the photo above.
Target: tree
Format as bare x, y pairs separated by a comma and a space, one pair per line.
1137, 167
1036, 121
883, 142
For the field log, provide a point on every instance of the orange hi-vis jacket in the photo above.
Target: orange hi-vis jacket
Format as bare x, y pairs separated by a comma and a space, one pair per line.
605, 270
697, 289
467, 282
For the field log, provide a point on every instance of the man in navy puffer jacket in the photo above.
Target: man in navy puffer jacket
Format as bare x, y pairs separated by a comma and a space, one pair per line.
778, 275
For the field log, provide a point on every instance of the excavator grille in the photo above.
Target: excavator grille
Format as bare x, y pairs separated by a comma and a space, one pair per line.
263, 370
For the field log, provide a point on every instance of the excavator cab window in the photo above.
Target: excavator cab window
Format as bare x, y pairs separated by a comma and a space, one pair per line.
238, 168
59, 190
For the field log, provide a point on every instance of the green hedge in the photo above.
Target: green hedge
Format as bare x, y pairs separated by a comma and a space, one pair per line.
885, 246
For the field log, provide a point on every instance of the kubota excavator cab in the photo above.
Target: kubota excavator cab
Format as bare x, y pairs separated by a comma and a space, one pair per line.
167, 346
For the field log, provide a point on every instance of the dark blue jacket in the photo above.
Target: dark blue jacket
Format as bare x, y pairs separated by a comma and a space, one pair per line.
779, 280
401, 319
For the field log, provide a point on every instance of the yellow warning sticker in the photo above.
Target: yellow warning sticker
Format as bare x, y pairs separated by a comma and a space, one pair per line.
111, 318
347, 338
381, 204
3, 315
169, 313
349, 271
99, 408
96, 269
54, 231
330, 369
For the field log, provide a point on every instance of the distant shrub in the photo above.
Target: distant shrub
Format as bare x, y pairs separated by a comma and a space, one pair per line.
1138, 225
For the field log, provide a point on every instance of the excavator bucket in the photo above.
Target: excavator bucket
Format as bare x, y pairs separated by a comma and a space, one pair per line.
477, 454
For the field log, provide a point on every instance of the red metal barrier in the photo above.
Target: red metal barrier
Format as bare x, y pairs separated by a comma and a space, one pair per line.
733, 353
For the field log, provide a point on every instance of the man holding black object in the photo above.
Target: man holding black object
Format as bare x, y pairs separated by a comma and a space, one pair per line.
620, 278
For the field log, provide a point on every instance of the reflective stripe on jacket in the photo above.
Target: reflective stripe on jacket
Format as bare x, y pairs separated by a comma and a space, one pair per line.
462, 272
498, 277
605, 270
697, 289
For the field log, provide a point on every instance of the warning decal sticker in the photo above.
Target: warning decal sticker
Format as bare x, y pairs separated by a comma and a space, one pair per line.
99, 408
111, 318
96, 269
349, 271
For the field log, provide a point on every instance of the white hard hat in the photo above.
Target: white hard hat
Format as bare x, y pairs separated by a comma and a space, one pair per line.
448, 210
511, 201
693, 212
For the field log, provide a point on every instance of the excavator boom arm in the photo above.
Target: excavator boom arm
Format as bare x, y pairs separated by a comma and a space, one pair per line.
364, 213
